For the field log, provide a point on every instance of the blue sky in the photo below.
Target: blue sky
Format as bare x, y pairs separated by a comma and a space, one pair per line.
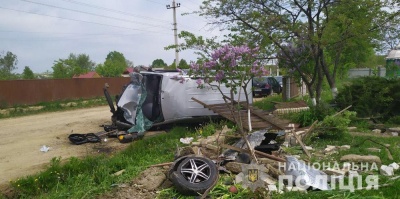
42, 31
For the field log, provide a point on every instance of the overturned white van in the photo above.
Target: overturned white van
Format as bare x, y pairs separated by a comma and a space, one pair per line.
160, 97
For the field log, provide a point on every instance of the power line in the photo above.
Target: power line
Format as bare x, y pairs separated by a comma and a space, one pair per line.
73, 10
112, 10
78, 20
68, 33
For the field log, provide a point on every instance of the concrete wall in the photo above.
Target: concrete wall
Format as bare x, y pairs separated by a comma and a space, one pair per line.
360, 72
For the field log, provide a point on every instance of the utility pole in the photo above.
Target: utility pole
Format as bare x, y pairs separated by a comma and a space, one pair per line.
174, 6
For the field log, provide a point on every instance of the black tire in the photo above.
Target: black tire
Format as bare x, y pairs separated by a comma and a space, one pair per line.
109, 100
193, 175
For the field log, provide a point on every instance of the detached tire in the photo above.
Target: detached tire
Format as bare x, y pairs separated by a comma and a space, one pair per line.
193, 175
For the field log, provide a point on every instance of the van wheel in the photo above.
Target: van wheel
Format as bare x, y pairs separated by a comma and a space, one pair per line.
193, 175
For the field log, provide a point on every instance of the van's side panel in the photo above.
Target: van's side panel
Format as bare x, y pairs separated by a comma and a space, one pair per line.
176, 97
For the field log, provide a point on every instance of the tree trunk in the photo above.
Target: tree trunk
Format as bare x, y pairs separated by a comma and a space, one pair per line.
329, 77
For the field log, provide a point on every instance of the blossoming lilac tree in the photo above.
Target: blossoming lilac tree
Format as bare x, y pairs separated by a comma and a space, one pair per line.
232, 67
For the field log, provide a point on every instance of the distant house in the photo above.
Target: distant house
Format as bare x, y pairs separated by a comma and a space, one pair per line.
136, 69
91, 74
127, 71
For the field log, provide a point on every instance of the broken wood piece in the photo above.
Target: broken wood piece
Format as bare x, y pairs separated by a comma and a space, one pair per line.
257, 152
275, 173
162, 164
302, 145
341, 111
308, 132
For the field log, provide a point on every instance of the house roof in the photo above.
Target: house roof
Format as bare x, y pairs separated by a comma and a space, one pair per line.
91, 74
395, 53
128, 70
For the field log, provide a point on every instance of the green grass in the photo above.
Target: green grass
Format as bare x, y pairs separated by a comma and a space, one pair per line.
23, 110
91, 176
267, 103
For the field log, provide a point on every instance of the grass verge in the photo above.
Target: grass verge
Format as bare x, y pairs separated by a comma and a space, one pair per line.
23, 110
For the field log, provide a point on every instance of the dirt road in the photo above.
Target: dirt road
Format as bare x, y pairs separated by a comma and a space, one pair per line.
21, 139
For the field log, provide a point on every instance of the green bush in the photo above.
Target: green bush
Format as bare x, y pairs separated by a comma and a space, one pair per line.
394, 120
333, 127
319, 112
371, 97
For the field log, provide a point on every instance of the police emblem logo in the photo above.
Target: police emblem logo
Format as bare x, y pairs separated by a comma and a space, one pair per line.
253, 175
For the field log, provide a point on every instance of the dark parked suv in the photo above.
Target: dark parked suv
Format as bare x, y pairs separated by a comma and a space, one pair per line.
265, 85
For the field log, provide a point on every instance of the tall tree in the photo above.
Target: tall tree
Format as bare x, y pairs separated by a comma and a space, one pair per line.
113, 66
8, 63
158, 63
183, 64
317, 26
28, 73
73, 65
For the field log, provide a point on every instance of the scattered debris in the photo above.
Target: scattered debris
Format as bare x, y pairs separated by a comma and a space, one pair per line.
386, 170
306, 174
394, 129
186, 140
394, 165
330, 149
44, 148
377, 131
151, 178
234, 167
335, 172
344, 147
361, 158
118, 172
374, 150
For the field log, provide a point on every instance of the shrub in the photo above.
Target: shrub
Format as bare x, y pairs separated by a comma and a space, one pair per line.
334, 126
371, 97
319, 112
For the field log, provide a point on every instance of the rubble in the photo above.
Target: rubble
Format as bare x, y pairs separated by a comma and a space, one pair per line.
298, 189
344, 147
386, 170
330, 149
151, 178
335, 172
394, 165
309, 148
361, 158
373, 150
234, 167
377, 131
394, 129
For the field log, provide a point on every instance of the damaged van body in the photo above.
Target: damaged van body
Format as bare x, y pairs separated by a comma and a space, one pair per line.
161, 97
